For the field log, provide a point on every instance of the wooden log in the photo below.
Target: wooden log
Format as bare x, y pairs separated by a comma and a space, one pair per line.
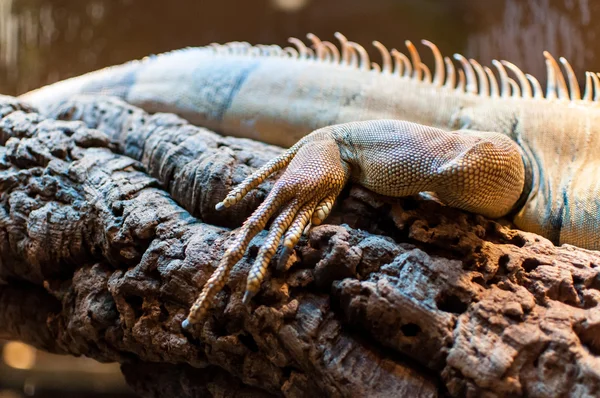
110, 221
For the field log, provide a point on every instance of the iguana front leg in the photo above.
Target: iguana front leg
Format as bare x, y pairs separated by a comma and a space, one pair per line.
475, 171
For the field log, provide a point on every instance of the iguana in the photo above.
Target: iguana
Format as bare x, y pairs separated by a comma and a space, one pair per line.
482, 142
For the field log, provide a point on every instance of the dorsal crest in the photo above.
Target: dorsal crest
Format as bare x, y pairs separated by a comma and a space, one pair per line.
469, 76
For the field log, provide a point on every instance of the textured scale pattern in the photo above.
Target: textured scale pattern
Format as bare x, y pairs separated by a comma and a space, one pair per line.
466, 169
475, 171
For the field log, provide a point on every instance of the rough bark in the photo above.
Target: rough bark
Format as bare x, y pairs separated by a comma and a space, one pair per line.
107, 233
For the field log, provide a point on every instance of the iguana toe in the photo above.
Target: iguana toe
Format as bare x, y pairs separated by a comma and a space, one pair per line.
298, 226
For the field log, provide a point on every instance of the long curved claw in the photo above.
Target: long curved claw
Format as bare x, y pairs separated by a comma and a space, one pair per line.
314, 177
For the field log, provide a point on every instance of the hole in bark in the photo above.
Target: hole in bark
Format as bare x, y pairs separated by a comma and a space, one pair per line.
409, 204
154, 273
501, 273
595, 284
365, 291
518, 241
503, 261
286, 371
410, 329
529, 264
248, 341
495, 280
479, 280
117, 209
471, 263
135, 302
451, 303
164, 314
434, 223
590, 338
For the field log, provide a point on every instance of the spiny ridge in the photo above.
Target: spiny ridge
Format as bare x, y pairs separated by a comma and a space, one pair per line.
470, 77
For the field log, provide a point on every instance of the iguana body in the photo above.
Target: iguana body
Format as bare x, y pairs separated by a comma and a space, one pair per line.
279, 97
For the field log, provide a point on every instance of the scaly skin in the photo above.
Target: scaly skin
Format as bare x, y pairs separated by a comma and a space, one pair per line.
264, 94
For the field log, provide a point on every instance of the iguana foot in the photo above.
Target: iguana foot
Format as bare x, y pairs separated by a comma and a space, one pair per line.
305, 193
481, 172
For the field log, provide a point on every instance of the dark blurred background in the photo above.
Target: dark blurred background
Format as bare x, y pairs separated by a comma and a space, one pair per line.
27, 372
42, 41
